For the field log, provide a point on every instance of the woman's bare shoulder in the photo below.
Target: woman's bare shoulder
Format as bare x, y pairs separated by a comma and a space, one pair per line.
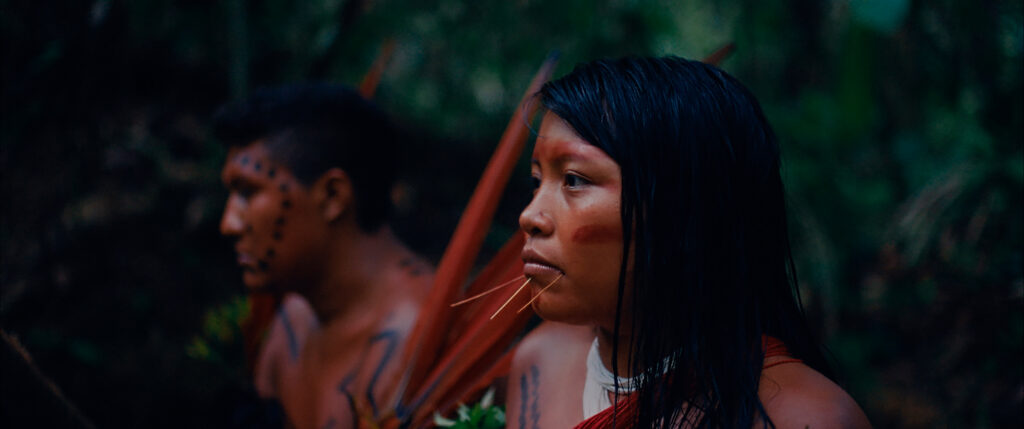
552, 341
797, 396
545, 387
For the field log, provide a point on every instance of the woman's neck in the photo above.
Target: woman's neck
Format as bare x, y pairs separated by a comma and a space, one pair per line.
604, 348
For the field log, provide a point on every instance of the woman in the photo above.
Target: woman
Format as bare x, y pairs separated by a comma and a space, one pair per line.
657, 228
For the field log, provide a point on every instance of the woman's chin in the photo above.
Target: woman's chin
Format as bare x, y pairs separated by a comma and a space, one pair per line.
554, 311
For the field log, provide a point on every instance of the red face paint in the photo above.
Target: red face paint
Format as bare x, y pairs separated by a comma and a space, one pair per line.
576, 226
593, 234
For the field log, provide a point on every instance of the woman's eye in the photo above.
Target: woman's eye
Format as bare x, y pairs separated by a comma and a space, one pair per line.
572, 180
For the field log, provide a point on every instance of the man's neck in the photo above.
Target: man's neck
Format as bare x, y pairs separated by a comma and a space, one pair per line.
356, 275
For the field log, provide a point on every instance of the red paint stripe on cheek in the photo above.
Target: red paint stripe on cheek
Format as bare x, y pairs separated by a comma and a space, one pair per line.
592, 234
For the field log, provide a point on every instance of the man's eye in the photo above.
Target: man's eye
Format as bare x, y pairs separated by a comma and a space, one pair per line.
243, 190
572, 180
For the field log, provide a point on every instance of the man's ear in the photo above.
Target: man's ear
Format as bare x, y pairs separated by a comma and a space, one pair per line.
335, 194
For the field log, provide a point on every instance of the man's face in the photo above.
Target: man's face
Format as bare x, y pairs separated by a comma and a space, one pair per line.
273, 218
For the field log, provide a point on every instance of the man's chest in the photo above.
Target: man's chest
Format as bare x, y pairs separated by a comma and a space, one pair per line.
332, 387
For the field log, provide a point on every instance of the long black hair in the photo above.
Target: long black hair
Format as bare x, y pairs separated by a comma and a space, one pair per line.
704, 214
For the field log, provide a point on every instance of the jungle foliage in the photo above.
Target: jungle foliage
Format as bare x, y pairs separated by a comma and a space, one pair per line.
900, 121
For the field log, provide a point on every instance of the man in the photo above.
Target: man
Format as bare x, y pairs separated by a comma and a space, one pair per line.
310, 170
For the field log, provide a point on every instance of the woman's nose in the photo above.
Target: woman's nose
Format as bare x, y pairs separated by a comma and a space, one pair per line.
534, 220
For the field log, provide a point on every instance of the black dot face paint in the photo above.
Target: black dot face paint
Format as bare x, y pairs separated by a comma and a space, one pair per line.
262, 264
277, 235
270, 253
244, 160
257, 166
286, 204
271, 172
248, 228
283, 187
279, 221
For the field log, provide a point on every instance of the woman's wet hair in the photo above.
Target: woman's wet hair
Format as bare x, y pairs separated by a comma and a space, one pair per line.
314, 127
702, 193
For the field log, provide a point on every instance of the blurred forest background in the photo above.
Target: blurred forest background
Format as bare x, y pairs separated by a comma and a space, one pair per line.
900, 120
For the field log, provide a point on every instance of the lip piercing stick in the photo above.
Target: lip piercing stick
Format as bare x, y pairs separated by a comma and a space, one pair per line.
539, 293
482, 294
511, 298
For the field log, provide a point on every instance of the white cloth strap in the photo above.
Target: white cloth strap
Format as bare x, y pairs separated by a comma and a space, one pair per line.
600, 384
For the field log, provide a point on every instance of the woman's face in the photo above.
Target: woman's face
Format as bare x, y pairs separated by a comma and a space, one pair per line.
573, 228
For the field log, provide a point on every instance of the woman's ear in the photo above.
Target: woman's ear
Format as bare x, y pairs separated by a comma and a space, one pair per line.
334, 194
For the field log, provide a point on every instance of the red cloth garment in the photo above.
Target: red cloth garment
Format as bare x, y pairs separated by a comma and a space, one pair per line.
627, 408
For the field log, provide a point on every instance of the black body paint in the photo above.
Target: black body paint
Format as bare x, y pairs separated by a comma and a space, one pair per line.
528, 397
345, 382
270, 252
286, 204
257, 166
277, 235
289, 332
262, 264
343, 388
271, 172
244, 160
279, 221
391, 337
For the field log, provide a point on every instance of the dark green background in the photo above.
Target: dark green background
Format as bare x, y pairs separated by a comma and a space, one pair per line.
901, 126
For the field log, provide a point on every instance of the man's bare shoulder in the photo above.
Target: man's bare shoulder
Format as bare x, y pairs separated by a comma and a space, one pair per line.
292, 326
797, 396
294, 323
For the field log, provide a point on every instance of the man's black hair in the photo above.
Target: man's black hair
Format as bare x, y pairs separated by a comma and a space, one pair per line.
312, 128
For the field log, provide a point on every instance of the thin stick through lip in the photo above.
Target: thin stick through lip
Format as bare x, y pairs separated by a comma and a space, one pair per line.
539, 293
511, 298
482, 294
